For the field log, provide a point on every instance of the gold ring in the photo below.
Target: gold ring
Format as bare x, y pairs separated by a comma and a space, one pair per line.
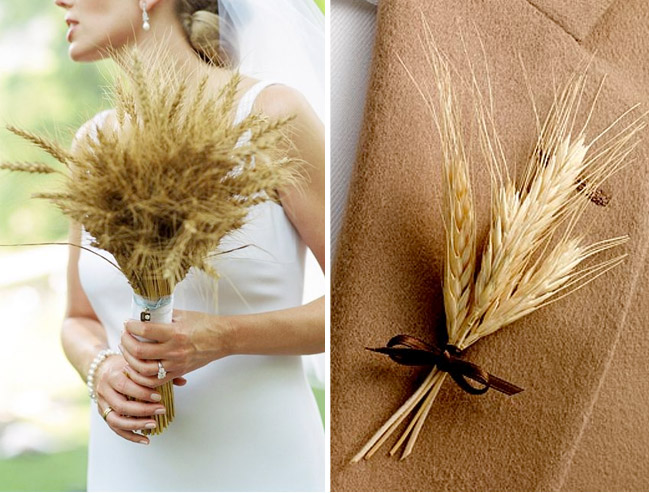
106, 412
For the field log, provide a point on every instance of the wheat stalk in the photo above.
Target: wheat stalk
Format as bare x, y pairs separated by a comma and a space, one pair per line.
52, 148
459, 210
553, 274
35, 168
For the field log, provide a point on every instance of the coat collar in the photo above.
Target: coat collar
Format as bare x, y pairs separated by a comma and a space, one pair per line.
576, 18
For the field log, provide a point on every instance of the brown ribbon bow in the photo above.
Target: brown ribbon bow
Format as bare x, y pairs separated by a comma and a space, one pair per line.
408, 350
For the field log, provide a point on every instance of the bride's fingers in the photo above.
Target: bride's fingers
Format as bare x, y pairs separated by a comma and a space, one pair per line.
126, 423
111, 419
119, 417
145, 368
151, 382
139, 379
132, 408
145, 349
132, 437
180, 381
130, 386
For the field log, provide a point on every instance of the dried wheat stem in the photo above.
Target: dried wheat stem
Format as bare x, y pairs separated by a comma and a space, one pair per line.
425, 409
399, 416
426, 401
388, 433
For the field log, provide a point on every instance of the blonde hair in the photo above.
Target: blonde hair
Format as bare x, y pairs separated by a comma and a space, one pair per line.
207, 32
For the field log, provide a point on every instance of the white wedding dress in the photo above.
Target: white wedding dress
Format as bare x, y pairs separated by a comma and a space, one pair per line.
243, 423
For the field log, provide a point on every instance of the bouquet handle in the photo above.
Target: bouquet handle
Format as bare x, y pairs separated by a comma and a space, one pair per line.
158, 310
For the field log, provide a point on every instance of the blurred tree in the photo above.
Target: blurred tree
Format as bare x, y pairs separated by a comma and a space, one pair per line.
40, 90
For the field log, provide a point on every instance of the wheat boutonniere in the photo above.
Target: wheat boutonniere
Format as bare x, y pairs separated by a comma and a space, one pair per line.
172, 177
533, 255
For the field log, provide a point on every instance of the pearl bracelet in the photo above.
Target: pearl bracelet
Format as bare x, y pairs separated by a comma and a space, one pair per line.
99, 359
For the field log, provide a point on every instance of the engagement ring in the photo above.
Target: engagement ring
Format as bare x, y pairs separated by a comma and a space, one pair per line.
161, 371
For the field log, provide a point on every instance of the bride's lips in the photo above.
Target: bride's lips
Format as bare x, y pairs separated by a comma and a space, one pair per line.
72, 26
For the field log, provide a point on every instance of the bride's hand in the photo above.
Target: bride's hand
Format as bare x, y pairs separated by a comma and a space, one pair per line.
191, 341
113, 387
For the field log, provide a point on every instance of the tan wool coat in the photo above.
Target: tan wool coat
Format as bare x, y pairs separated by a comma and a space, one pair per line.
582, 422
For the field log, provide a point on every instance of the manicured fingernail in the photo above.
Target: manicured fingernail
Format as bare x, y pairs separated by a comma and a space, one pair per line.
160, 411
156, 397
144, 442
150, 426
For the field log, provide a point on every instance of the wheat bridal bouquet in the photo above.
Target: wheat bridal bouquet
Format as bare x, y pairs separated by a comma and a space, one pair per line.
172, 177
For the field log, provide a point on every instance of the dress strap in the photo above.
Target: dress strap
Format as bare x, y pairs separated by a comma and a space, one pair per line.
248, 99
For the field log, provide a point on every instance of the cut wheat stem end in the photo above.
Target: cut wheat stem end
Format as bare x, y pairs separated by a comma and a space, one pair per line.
379, 438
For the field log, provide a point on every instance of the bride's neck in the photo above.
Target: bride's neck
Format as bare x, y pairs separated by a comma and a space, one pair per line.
172, 43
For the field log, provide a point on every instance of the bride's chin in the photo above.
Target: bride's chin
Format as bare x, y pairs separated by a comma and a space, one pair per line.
78, 53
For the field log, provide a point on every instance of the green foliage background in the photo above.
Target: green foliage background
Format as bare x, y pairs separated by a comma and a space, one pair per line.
54, 101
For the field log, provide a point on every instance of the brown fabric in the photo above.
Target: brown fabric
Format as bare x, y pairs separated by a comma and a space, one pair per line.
613, 452
582, 420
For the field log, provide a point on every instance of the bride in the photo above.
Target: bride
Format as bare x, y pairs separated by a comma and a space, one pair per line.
245, 416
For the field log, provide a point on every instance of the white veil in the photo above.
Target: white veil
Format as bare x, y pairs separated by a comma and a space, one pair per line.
279, 40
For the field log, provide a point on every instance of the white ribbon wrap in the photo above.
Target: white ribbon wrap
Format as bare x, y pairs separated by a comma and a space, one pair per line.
159, 311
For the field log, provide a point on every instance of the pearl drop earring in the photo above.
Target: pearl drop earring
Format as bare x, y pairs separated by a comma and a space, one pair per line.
145, 17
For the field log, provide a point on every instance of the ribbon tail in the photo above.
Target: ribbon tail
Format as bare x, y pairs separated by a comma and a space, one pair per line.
461, 380
406, 356
503, 386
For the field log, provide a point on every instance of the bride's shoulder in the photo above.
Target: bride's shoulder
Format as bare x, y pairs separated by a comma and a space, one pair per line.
279, 100
100, 120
